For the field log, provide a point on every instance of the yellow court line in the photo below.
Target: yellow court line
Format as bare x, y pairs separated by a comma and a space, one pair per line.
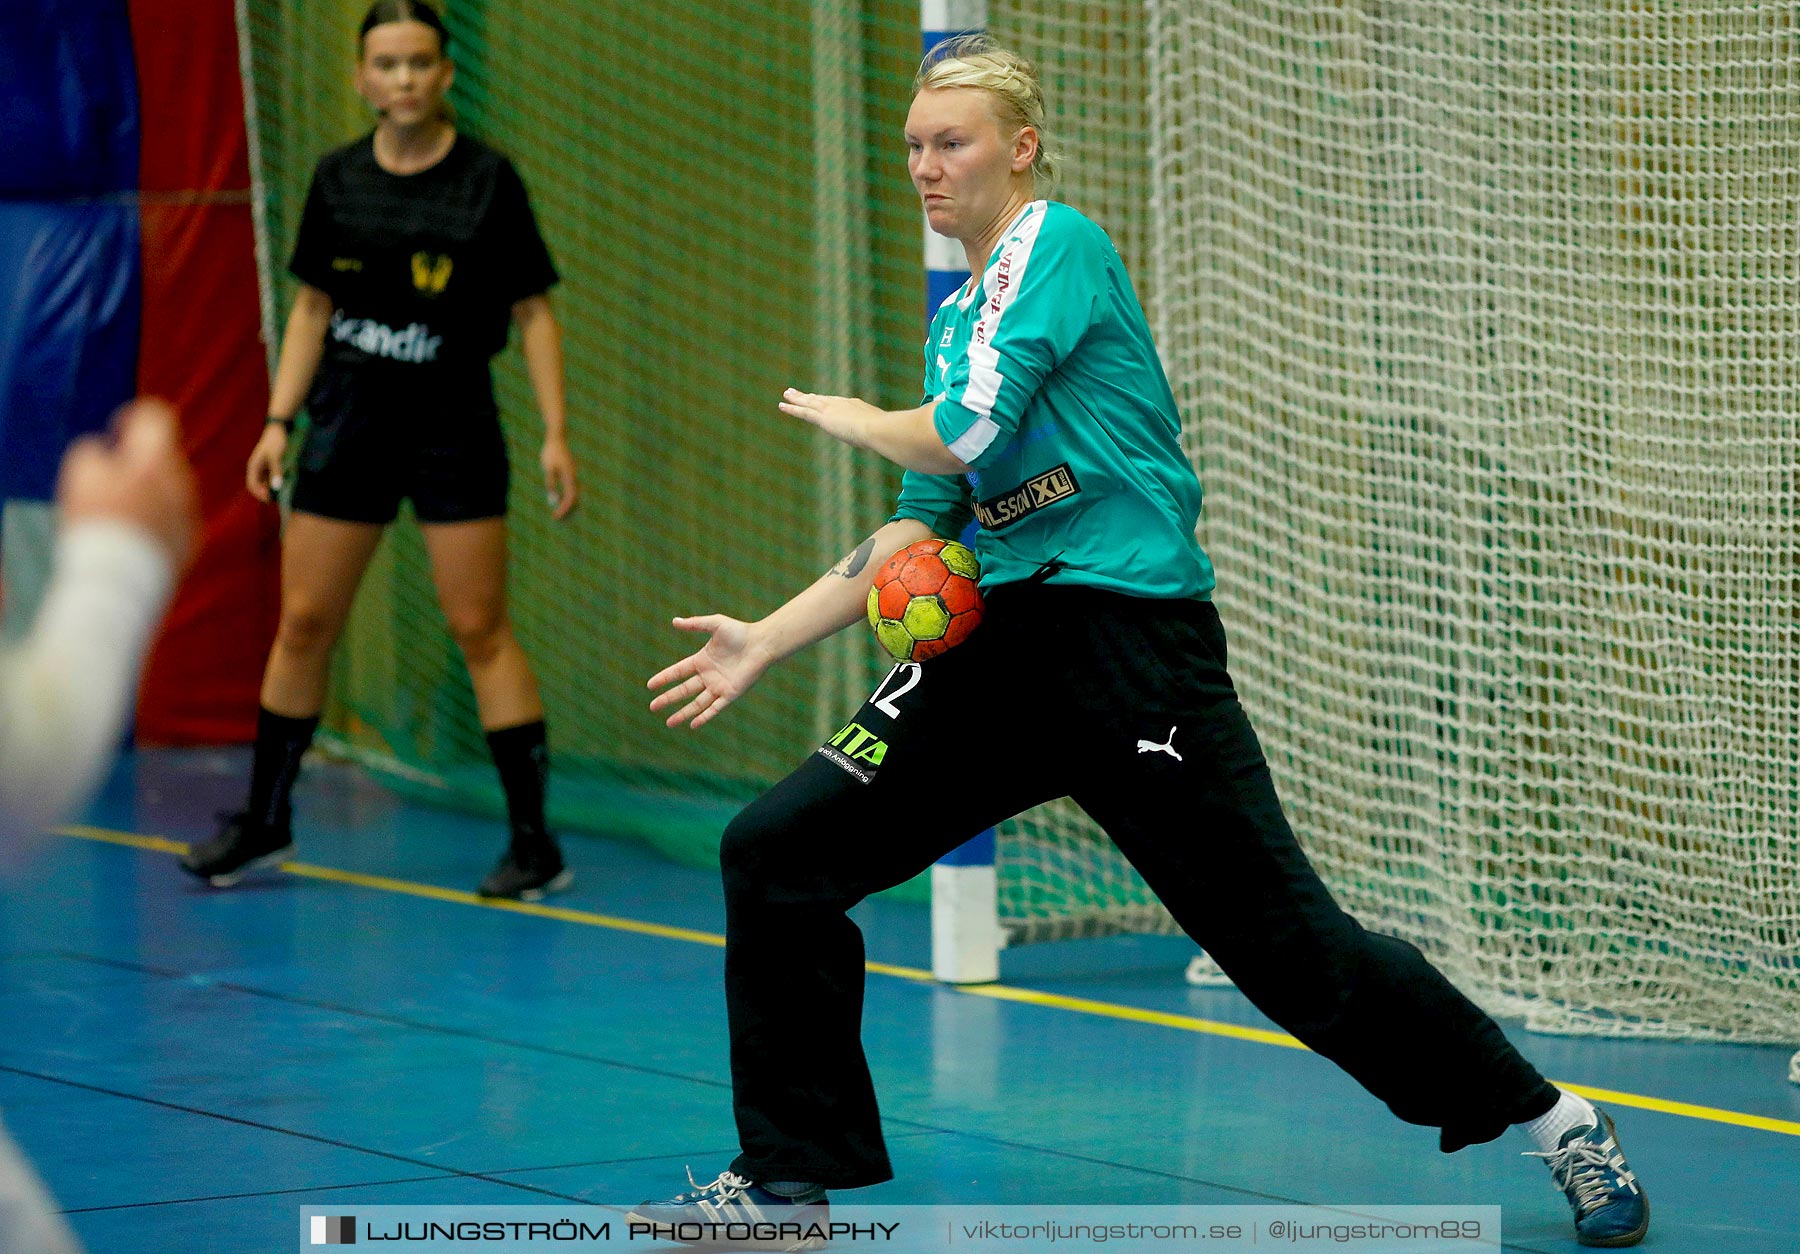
1111, 1010
997, 992
156, 843
408, 888
1710, 1113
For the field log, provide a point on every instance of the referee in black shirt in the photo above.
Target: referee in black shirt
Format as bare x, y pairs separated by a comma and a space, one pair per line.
416, 245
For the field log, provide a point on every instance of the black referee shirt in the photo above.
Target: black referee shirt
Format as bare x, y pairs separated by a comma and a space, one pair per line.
423, 268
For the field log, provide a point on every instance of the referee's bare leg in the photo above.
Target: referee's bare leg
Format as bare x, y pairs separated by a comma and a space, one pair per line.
322, 562
468, 566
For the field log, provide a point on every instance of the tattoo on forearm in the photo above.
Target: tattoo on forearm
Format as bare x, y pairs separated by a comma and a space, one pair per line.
852, 563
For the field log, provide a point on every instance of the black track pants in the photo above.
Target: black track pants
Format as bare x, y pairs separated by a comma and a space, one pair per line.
1125, 705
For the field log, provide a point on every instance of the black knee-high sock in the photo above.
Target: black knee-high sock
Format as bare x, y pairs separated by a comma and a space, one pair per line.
522, 756
280, 744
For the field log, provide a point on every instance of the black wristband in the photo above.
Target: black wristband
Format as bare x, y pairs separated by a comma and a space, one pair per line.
286, 424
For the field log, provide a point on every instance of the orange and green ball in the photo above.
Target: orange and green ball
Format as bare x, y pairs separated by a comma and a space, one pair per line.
926, 599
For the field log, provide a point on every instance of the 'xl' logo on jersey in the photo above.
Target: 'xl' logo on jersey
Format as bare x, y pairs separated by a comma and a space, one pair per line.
1028, 498
430, 273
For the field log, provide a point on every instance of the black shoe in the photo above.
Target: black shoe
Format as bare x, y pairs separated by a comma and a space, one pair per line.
527, 871
240, 847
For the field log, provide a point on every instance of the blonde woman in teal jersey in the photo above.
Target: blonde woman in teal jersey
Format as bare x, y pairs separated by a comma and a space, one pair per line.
1098, 674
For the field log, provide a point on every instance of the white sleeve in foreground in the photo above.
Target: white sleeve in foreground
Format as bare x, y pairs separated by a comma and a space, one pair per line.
65, 691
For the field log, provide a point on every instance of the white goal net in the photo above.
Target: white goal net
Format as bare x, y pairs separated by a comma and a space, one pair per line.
1485, 323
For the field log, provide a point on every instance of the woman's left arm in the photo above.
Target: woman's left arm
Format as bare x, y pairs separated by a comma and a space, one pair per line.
907, 437
541, 339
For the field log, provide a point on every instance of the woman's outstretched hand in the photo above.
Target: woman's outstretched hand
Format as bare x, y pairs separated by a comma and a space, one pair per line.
718, 673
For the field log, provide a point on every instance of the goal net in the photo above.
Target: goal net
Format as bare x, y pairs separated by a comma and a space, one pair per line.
1484, 320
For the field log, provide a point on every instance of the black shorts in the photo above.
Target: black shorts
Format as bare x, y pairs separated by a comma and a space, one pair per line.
379, 436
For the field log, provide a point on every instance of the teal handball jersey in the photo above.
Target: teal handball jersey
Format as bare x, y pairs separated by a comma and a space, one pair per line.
1052, 393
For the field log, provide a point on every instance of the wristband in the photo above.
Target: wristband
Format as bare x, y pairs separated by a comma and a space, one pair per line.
286, 424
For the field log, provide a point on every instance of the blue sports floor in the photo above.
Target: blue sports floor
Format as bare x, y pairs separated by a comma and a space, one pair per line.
189, 1068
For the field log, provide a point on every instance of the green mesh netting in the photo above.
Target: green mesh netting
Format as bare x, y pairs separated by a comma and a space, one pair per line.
723, 188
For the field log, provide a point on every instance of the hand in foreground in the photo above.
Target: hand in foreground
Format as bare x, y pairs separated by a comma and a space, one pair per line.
712, 678
560, 487
138, 475
263, 473
842, 417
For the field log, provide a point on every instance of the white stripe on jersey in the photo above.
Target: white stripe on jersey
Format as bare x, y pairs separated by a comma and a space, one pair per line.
985, 378
969, 445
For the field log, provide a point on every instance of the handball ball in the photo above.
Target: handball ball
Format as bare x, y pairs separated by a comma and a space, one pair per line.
925, 599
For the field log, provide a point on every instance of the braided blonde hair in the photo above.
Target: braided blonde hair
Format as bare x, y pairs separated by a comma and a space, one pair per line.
977, 61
